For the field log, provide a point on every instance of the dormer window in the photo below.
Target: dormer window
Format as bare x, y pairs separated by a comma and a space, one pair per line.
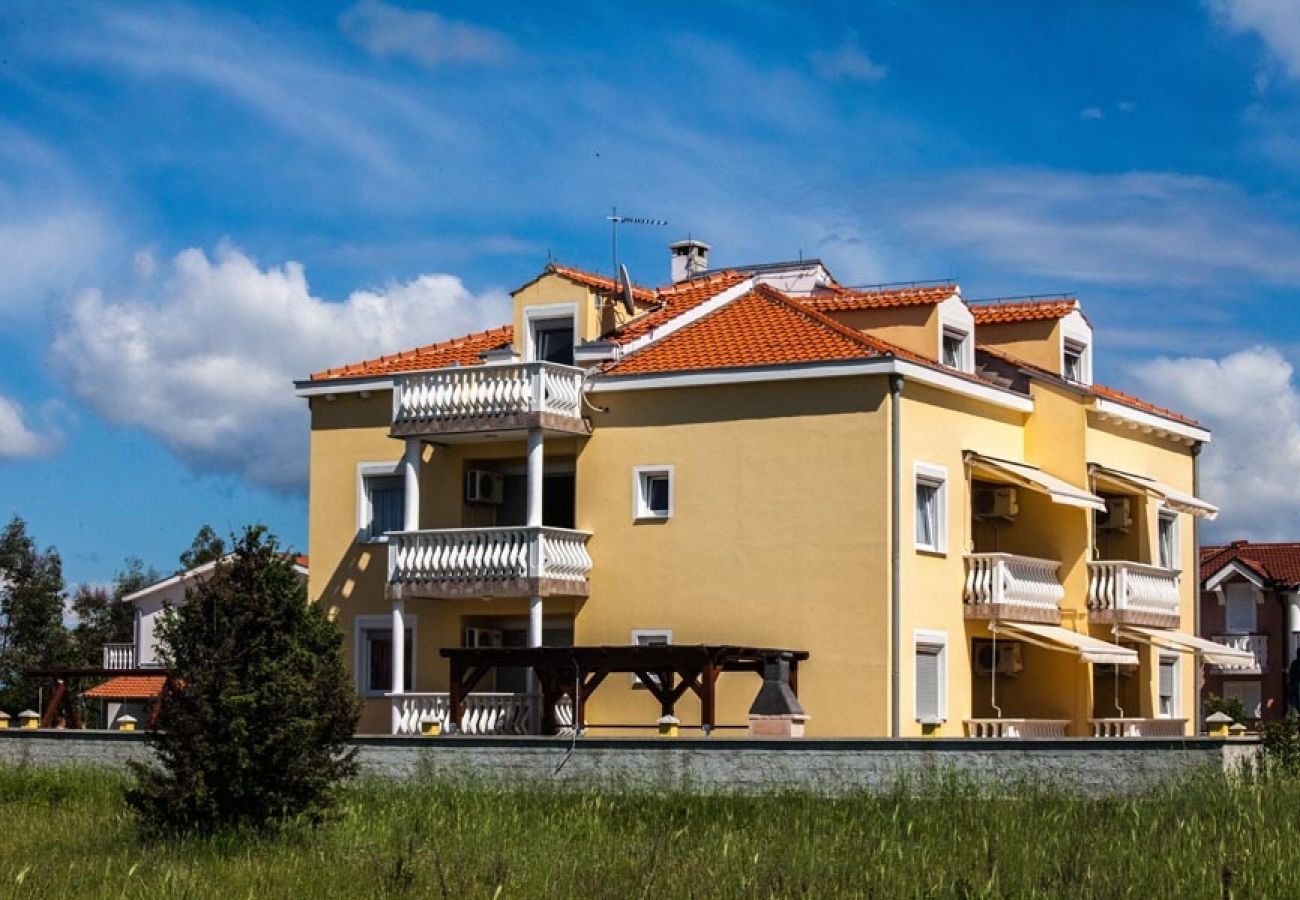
1074, 362
552, 333
955, 342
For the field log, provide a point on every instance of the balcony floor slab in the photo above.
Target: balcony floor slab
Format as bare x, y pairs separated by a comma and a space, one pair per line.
1012, 612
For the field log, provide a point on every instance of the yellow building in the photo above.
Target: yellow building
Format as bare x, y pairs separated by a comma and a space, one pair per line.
930, 497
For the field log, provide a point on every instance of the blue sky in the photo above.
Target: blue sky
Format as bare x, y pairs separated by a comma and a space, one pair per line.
199, 203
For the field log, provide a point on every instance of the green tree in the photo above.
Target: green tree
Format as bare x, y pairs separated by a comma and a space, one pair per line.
207, 546
256, 730
104, 616
32, 633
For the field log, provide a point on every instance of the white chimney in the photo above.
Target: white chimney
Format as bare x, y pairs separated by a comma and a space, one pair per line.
690, 258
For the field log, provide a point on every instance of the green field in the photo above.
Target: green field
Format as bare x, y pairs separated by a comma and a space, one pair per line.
67, 834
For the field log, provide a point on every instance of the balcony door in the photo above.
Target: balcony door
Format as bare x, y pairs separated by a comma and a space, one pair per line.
557, 501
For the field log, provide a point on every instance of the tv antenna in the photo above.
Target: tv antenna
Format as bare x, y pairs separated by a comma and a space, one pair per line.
616, 220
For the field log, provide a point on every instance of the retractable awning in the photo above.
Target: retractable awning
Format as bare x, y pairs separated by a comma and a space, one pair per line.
1035, 479
1173, 498
1054, 637
1215, 654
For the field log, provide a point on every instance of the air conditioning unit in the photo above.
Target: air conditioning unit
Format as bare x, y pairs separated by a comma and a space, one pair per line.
1117, 517
482, 637
1006, 662
482, 486
995, 503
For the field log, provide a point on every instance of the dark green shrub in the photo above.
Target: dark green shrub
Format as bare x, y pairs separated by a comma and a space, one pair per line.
1281, 742
1229, 705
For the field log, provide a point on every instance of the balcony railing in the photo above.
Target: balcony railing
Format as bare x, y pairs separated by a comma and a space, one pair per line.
1121, 591
488, 398
1125, 728
1016, 728
491, 562
119, 656
1003, 584
484, 713
1255, 644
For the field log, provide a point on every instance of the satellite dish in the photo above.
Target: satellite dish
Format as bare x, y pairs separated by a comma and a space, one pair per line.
625, 290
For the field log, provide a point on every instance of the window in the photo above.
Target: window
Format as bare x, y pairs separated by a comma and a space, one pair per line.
1074, 361
1168, 539
931, 508
1168, 708
652, 492
1248, 692
381, 500
652, 637
954, 348
1239, 608
931, 676
551, 333
375, 655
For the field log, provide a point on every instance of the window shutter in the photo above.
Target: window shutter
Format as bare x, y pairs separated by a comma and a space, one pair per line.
1167, 668
927, 682
1239, 607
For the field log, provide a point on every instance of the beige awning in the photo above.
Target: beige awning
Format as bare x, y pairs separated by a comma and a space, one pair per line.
1054, 637
1035, 479
1173, 498
1214, 653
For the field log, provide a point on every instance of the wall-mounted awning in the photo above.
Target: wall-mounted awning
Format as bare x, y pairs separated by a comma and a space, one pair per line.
1172, 497
1054, 637
1215, 654
1035, 479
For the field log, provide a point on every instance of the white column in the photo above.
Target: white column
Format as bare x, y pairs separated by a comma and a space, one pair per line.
411, 480
1292, 624
536, 469
399, 656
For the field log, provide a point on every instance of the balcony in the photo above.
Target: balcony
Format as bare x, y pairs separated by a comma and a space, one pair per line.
1129, 728
119, 656
507, 714
489, 562
1254, 644
1024, 729
1005, 586
1129, 593
502, 399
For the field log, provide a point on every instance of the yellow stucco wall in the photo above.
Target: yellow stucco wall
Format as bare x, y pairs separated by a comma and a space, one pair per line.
1034, 342
914, 328
554, 290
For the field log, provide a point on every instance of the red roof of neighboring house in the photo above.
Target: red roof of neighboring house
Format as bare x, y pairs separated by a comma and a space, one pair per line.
1000, 313
841, 299
1277, 562
464, 351
301, 560
128, 687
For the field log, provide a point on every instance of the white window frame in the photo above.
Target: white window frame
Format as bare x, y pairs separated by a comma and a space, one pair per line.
637, 634
361, 653
641, 475
1175, 551
937, 477
965, 354
1176, 700
548, 312
937, 642
1076, 334
1254, 594
364, 510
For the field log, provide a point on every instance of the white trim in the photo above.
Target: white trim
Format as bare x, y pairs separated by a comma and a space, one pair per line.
1230, 568
666, 633
361, 662
364, 511
547, 312
718, 300
927, 639
1175, 539
937, 477
955, 317
1076, 331
641, 511
882, 366
1141, 419
342, 386
1177, 696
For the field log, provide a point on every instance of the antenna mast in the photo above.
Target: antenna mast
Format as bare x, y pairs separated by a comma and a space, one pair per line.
616, 220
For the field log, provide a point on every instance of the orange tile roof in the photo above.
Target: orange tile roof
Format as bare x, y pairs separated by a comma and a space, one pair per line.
464, 351
676, 299
128, 687
1276, 562
591, 280
1023, 310
841, 299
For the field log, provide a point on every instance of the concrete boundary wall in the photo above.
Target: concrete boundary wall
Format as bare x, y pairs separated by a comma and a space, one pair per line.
829, 766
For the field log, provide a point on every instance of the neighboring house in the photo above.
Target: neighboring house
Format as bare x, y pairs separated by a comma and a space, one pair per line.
137, 693
1250, 599
928, 495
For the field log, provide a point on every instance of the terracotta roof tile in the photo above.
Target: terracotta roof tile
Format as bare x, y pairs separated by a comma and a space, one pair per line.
1023, 310
676, 299
1277, 562
464, 351
128, 687
842, 299
592, 280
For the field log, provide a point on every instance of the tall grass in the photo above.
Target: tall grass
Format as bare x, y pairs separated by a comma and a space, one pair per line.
67, 834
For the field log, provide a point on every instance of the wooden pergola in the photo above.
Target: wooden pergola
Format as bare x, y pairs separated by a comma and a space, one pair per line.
61, 704
667, 671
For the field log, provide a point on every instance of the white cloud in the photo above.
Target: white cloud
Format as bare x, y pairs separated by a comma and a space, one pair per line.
422, 37
1133, 228
848, 62
1091, 112
19, 440
47, 253
1251, 402
204, 355
1275, 22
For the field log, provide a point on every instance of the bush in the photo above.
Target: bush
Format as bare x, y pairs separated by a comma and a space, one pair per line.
255, 731
1229, 705
1281, 742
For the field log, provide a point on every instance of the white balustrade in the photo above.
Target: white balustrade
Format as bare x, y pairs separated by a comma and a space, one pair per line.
1016, 728
1004, 578
1128, 586
1255, 644
1126, 728
485, 713
487, 392
119, 656
474, 555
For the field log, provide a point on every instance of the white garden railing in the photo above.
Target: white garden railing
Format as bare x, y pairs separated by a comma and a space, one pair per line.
485, 713
1004, 578
1124, 728
447, 396
484, 555
119, 656
1132, 587
1016, 728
